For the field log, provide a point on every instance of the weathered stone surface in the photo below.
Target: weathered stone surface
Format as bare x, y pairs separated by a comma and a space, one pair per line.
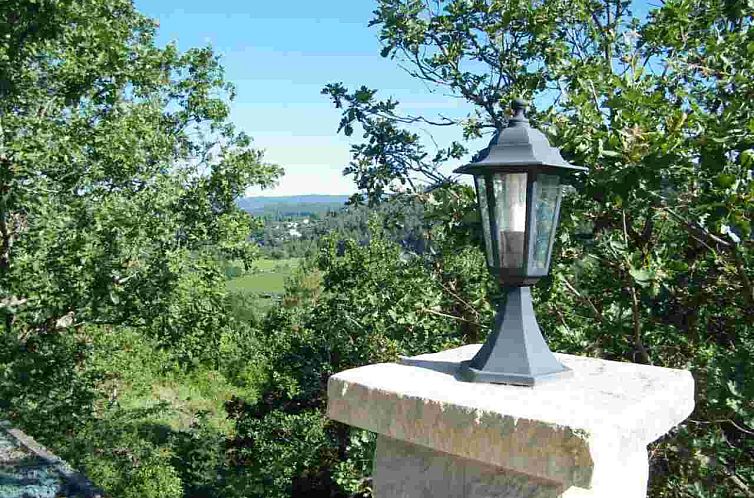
588, 431
28, 470
404, 470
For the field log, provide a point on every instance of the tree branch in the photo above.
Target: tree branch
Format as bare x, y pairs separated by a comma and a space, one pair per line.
585, 299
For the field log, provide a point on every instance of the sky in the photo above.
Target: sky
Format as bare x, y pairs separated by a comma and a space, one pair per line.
280, 54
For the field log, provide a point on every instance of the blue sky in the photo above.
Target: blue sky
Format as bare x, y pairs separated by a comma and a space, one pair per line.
280, 54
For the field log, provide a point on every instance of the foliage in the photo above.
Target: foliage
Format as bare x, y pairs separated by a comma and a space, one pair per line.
41, 382
402, 218
123, 453
368, 303
119, 171
119, 174
353, 474
654, 261
200, 458
282, 453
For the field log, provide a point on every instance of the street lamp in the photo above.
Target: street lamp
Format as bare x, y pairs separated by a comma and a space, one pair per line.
518, 180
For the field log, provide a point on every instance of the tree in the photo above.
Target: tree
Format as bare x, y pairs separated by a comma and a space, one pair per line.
363, 303
655, 255
118, 171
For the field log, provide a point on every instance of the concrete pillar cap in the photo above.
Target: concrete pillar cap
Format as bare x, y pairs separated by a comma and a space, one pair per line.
568, 431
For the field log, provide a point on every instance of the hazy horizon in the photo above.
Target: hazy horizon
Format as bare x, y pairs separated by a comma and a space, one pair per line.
310, 194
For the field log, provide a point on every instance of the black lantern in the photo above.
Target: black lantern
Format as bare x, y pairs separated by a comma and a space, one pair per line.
518, 179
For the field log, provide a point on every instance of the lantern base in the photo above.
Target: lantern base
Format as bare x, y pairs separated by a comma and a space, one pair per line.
515, 351
471, 374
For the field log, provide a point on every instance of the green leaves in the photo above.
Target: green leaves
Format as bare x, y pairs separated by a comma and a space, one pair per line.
119, 166
375, 301
660, 108
641, 276
119, 171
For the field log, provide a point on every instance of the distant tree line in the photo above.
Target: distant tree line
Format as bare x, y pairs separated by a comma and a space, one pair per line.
402, 220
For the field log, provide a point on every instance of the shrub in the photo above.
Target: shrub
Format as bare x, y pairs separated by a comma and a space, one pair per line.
373, 303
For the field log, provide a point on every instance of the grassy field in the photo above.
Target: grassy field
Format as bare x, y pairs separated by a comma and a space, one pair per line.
267, 278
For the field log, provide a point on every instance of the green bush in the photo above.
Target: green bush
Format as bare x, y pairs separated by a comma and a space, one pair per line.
655, 257
199, 457
284, 454
46, 385
373, 302
128, 454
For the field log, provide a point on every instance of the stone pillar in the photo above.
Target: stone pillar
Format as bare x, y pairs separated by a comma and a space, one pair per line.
578, 437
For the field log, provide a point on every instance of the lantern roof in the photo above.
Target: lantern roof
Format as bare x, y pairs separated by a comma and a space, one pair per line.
519, 145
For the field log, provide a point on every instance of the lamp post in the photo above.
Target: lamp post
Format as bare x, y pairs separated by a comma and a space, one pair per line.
518, 180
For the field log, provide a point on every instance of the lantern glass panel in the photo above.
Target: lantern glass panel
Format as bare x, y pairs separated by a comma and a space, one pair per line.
481, 190
510, 215
548, 199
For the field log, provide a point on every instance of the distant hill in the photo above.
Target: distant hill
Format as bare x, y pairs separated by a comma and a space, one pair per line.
293, 205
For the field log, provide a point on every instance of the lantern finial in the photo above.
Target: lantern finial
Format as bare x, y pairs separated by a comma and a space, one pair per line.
519, 112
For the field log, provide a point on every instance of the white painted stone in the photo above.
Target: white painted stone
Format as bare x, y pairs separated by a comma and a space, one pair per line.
583, 436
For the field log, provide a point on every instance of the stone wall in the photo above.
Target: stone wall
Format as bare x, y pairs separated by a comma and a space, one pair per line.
28, 470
